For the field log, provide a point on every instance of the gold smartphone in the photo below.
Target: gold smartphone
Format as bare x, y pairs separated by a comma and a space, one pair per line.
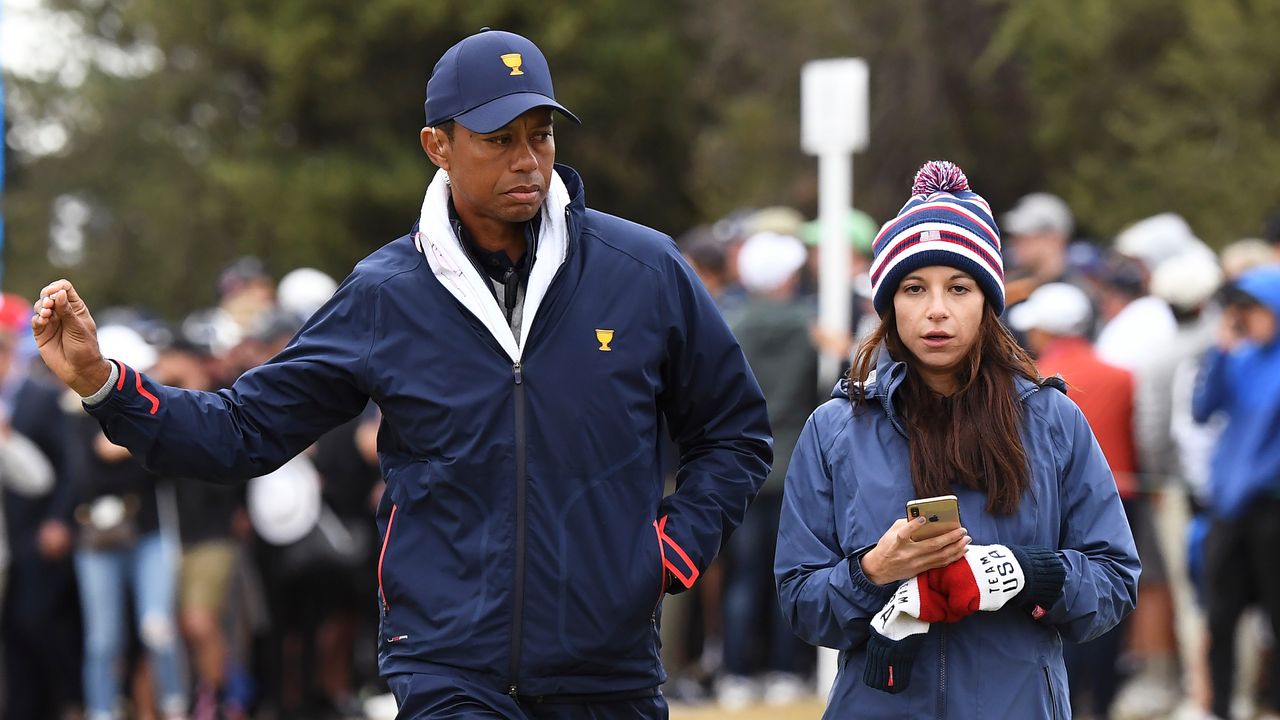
942, 514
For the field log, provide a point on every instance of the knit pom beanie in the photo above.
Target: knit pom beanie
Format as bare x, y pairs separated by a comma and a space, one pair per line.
944, 223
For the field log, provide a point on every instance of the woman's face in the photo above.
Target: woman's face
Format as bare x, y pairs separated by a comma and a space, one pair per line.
939, 312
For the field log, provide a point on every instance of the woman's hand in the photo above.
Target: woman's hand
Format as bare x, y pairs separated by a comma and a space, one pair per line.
897, 557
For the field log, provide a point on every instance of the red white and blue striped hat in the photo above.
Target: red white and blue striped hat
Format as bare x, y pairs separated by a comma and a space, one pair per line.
944, 223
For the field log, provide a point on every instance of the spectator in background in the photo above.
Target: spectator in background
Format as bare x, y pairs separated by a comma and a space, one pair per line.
24, 469
706, 255
41, 619
1054, 319
350, 489
123, 552
1039, 230
1132, 339
1176, 450
731, 231
1240, 377
1246, 254
301, 292
1187, 283
205, 513
859, 229
1133, 320
245, 291
773, 328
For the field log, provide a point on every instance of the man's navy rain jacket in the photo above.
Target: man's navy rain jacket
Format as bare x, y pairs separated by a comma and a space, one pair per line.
525, 532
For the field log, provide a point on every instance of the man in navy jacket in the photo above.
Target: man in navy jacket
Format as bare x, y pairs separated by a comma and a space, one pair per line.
526, 353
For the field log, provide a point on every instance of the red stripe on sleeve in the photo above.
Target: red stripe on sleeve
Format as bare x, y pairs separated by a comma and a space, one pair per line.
155, 401
685, 579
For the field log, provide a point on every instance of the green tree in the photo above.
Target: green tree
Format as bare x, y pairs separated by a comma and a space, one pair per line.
1153, 105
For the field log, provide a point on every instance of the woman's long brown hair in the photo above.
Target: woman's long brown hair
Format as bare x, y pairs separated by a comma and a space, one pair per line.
971, 438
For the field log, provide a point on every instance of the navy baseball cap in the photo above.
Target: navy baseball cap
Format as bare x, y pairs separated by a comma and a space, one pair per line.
487, 80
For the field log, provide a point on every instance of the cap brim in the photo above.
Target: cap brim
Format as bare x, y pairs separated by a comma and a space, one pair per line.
496, 113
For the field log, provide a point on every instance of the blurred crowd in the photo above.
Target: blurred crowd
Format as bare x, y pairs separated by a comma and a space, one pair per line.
164, 598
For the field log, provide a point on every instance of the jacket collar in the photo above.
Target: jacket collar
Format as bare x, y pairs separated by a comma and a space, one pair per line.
577, 203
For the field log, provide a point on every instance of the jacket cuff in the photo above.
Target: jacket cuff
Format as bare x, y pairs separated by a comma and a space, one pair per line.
105, 390
1045, 573
881, 593
128, 395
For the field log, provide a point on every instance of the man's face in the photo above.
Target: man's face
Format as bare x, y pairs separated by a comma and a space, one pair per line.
1258, 323
1038, 251
497, 177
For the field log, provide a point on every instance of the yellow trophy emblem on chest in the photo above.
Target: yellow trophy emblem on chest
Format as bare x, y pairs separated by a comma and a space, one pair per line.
605, 337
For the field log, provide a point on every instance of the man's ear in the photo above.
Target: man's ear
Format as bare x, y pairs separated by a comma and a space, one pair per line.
436, 146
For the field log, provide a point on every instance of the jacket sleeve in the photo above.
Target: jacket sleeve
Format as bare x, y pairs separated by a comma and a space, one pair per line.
1096, 544
269, 415
824, 595
716, 415
1213, 387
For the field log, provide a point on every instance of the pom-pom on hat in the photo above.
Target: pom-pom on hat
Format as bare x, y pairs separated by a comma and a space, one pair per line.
944, 223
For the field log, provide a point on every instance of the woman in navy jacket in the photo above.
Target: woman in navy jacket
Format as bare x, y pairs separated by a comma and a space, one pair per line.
943, 401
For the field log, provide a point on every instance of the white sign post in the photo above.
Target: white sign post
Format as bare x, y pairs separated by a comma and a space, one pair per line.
833, 126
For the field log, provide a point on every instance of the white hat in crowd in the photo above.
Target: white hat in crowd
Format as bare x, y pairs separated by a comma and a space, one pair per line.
1187, 281
767, 260
1159, 238
285, 505
1055, 308
301, 292
1037, 213
123, 343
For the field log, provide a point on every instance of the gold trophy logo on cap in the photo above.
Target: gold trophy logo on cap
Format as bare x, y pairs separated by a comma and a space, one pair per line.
513, 61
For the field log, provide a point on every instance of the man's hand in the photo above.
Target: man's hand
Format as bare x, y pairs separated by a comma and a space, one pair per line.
68, 339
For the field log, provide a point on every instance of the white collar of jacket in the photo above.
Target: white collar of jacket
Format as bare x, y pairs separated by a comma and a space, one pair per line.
449, 262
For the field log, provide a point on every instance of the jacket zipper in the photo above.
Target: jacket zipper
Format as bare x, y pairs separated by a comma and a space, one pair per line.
386, 540
942, 674
517, 611
1053, 700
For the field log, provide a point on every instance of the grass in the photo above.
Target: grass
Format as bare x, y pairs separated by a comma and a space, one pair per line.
808, 710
